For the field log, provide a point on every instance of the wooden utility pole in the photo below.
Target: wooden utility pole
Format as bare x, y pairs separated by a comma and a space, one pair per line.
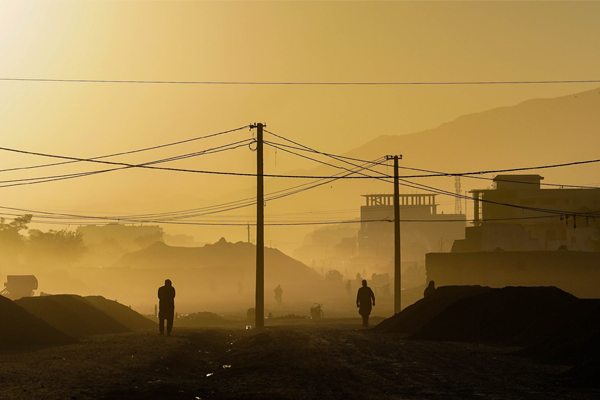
397, 253
259, 308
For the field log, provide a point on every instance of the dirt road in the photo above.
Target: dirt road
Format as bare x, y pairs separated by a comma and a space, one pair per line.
301, 361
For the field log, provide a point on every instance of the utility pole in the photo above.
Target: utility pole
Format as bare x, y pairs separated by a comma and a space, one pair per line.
397, 253
259, 308
248, 232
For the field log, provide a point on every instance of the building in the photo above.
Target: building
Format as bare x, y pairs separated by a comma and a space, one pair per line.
576, 272
518, 228
422, 229
368, 246
515, 216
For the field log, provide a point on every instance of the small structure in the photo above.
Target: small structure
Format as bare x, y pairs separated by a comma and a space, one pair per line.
18, 286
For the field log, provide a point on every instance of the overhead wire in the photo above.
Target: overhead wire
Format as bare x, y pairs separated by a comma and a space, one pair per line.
298, 83
195, 212
440, 191
432, 173
173, 169
131, 151
36, 180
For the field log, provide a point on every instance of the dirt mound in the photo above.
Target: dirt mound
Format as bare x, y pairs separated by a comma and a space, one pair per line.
200, 319
72, 315
414, 317
221, 261
496, 316
575, 342
20, 328
586, 374
120, 313
564, 317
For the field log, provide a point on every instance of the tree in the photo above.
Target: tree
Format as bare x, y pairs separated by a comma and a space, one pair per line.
55, 247
11, 241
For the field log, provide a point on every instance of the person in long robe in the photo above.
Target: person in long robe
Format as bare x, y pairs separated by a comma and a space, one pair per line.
365, 301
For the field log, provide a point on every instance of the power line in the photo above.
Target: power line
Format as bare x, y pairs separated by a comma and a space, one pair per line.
436, 190
440, 191
292, 83
130, 151
283, 193
438, 173
303, 223
288, 176
36, 180
207, 210
444, 174
173, 169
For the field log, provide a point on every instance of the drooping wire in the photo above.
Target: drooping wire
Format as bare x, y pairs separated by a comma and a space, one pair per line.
291, 83
411, 184
130, 151
36, 180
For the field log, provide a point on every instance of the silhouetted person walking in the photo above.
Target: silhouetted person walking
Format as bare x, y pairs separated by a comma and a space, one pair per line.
278, 293
166, 307
430, 289
364, 298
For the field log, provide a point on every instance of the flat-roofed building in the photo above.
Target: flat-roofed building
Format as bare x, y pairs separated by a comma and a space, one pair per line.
422, 229
519, 215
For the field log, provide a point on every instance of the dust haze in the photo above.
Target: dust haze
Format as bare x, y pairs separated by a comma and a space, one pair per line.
299, 200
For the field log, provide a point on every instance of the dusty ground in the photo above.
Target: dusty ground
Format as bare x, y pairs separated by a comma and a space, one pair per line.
301, 360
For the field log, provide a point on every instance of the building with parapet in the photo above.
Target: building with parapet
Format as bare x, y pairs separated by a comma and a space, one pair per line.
518, 228
422, 229
518, 215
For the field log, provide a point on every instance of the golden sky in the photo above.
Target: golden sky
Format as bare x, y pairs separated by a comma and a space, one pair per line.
259, 41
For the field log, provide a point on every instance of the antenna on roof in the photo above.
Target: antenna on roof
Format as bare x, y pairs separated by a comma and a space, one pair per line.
457, 202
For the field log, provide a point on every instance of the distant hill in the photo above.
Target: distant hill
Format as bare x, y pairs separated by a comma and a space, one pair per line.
221, 261
534, 132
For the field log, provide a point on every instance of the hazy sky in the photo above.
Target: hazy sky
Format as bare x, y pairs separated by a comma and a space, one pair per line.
259, 41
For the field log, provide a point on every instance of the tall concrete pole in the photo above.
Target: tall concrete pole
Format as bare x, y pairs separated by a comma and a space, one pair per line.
260, 230
397, 249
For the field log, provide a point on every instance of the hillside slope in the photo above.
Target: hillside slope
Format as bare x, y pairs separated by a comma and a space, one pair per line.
222, 260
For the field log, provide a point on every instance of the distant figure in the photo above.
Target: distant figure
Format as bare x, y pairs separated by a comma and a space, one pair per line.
349, 288
386, 293
430, 289
278, 293
251, 314
364, 297
358, 278
166, 307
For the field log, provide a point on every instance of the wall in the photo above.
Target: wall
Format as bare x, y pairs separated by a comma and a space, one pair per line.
576, 272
